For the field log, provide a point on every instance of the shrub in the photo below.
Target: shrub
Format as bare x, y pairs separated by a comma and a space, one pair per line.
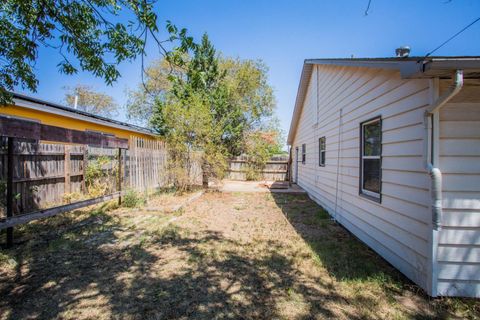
99, 174
72, 197
132, 199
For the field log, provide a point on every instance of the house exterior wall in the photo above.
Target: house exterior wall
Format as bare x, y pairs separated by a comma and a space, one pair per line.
67, 122
399, 227
459, 160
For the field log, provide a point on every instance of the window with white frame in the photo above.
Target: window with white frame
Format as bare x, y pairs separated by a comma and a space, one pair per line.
321, 151
371, 158
304, 153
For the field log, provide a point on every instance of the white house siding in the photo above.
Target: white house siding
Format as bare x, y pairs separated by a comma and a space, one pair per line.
459, 158
398, 228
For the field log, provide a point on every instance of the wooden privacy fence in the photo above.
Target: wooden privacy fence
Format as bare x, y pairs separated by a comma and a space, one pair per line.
48, 174
46, 170
35, 174
146, 164
275, 169
43, 173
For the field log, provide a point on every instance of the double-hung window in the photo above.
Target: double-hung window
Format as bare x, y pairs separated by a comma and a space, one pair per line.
371, 158
304, 153
321, 152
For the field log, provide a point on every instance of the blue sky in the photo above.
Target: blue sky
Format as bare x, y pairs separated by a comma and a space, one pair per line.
284, 33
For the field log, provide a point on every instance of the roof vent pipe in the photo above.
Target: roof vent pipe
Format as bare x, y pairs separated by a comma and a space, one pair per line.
402, 52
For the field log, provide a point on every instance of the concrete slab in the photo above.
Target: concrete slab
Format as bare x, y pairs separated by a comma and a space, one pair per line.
258, 186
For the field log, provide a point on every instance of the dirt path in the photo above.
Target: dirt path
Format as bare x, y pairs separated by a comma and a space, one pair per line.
226, 256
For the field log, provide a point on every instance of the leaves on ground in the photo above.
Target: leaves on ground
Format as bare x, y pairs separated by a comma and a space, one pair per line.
226, 256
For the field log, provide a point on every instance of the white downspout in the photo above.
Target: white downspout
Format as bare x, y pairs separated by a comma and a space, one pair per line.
434, 172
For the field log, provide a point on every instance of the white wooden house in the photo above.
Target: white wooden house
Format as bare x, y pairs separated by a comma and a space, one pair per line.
391, 148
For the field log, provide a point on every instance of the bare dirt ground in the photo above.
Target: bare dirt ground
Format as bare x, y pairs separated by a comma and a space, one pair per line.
225, 256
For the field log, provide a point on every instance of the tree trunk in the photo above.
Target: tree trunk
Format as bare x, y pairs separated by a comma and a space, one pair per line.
205, 175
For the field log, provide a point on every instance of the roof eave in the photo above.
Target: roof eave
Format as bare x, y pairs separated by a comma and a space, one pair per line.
302, 87
357, 63
410, 68
40, 105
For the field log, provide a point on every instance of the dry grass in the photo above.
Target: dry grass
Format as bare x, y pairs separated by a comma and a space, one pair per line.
226, 256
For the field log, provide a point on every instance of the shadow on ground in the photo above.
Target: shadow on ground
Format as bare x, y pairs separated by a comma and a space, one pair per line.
350, 261
81, 268
107, 265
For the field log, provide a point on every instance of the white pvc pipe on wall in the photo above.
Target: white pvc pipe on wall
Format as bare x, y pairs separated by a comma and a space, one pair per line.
432, 136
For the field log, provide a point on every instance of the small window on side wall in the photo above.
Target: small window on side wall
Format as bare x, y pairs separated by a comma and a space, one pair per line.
304, 153
321, 151
371, 158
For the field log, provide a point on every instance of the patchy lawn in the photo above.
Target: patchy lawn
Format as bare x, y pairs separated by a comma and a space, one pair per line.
226, 256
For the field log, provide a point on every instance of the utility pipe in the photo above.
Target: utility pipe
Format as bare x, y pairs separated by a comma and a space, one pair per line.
434, 172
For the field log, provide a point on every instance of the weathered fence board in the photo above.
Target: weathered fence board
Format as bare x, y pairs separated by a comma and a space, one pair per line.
146, 164
24, 218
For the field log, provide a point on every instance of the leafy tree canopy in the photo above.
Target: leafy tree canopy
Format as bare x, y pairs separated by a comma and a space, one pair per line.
85, 33
211, 104
155, 86
91, 101
238, 93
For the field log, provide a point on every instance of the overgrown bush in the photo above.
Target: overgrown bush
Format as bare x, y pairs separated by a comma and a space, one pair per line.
185, 168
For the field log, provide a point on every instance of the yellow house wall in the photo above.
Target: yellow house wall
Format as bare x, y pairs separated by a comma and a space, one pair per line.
69, 123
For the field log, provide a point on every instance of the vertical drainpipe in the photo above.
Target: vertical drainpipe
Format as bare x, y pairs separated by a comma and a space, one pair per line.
431, 120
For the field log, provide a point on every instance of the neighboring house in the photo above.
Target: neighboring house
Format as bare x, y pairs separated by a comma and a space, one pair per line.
29, 108
391, 148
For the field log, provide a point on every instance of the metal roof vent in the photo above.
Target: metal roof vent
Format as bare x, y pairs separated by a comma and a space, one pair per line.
402, 52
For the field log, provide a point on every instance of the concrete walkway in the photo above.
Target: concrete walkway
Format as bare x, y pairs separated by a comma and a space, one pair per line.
259, 186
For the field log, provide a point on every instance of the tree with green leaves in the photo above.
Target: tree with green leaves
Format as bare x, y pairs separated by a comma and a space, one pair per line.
211, 106
141, 101
192, 116
87, 99
248, 100
251, 98
87, 35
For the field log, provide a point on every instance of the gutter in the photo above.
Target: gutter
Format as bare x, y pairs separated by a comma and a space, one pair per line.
432, 120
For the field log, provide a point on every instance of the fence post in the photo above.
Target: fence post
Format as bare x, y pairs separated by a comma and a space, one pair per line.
144, 171
119, 188
10, 189
289, 167
67, 166
84, 168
